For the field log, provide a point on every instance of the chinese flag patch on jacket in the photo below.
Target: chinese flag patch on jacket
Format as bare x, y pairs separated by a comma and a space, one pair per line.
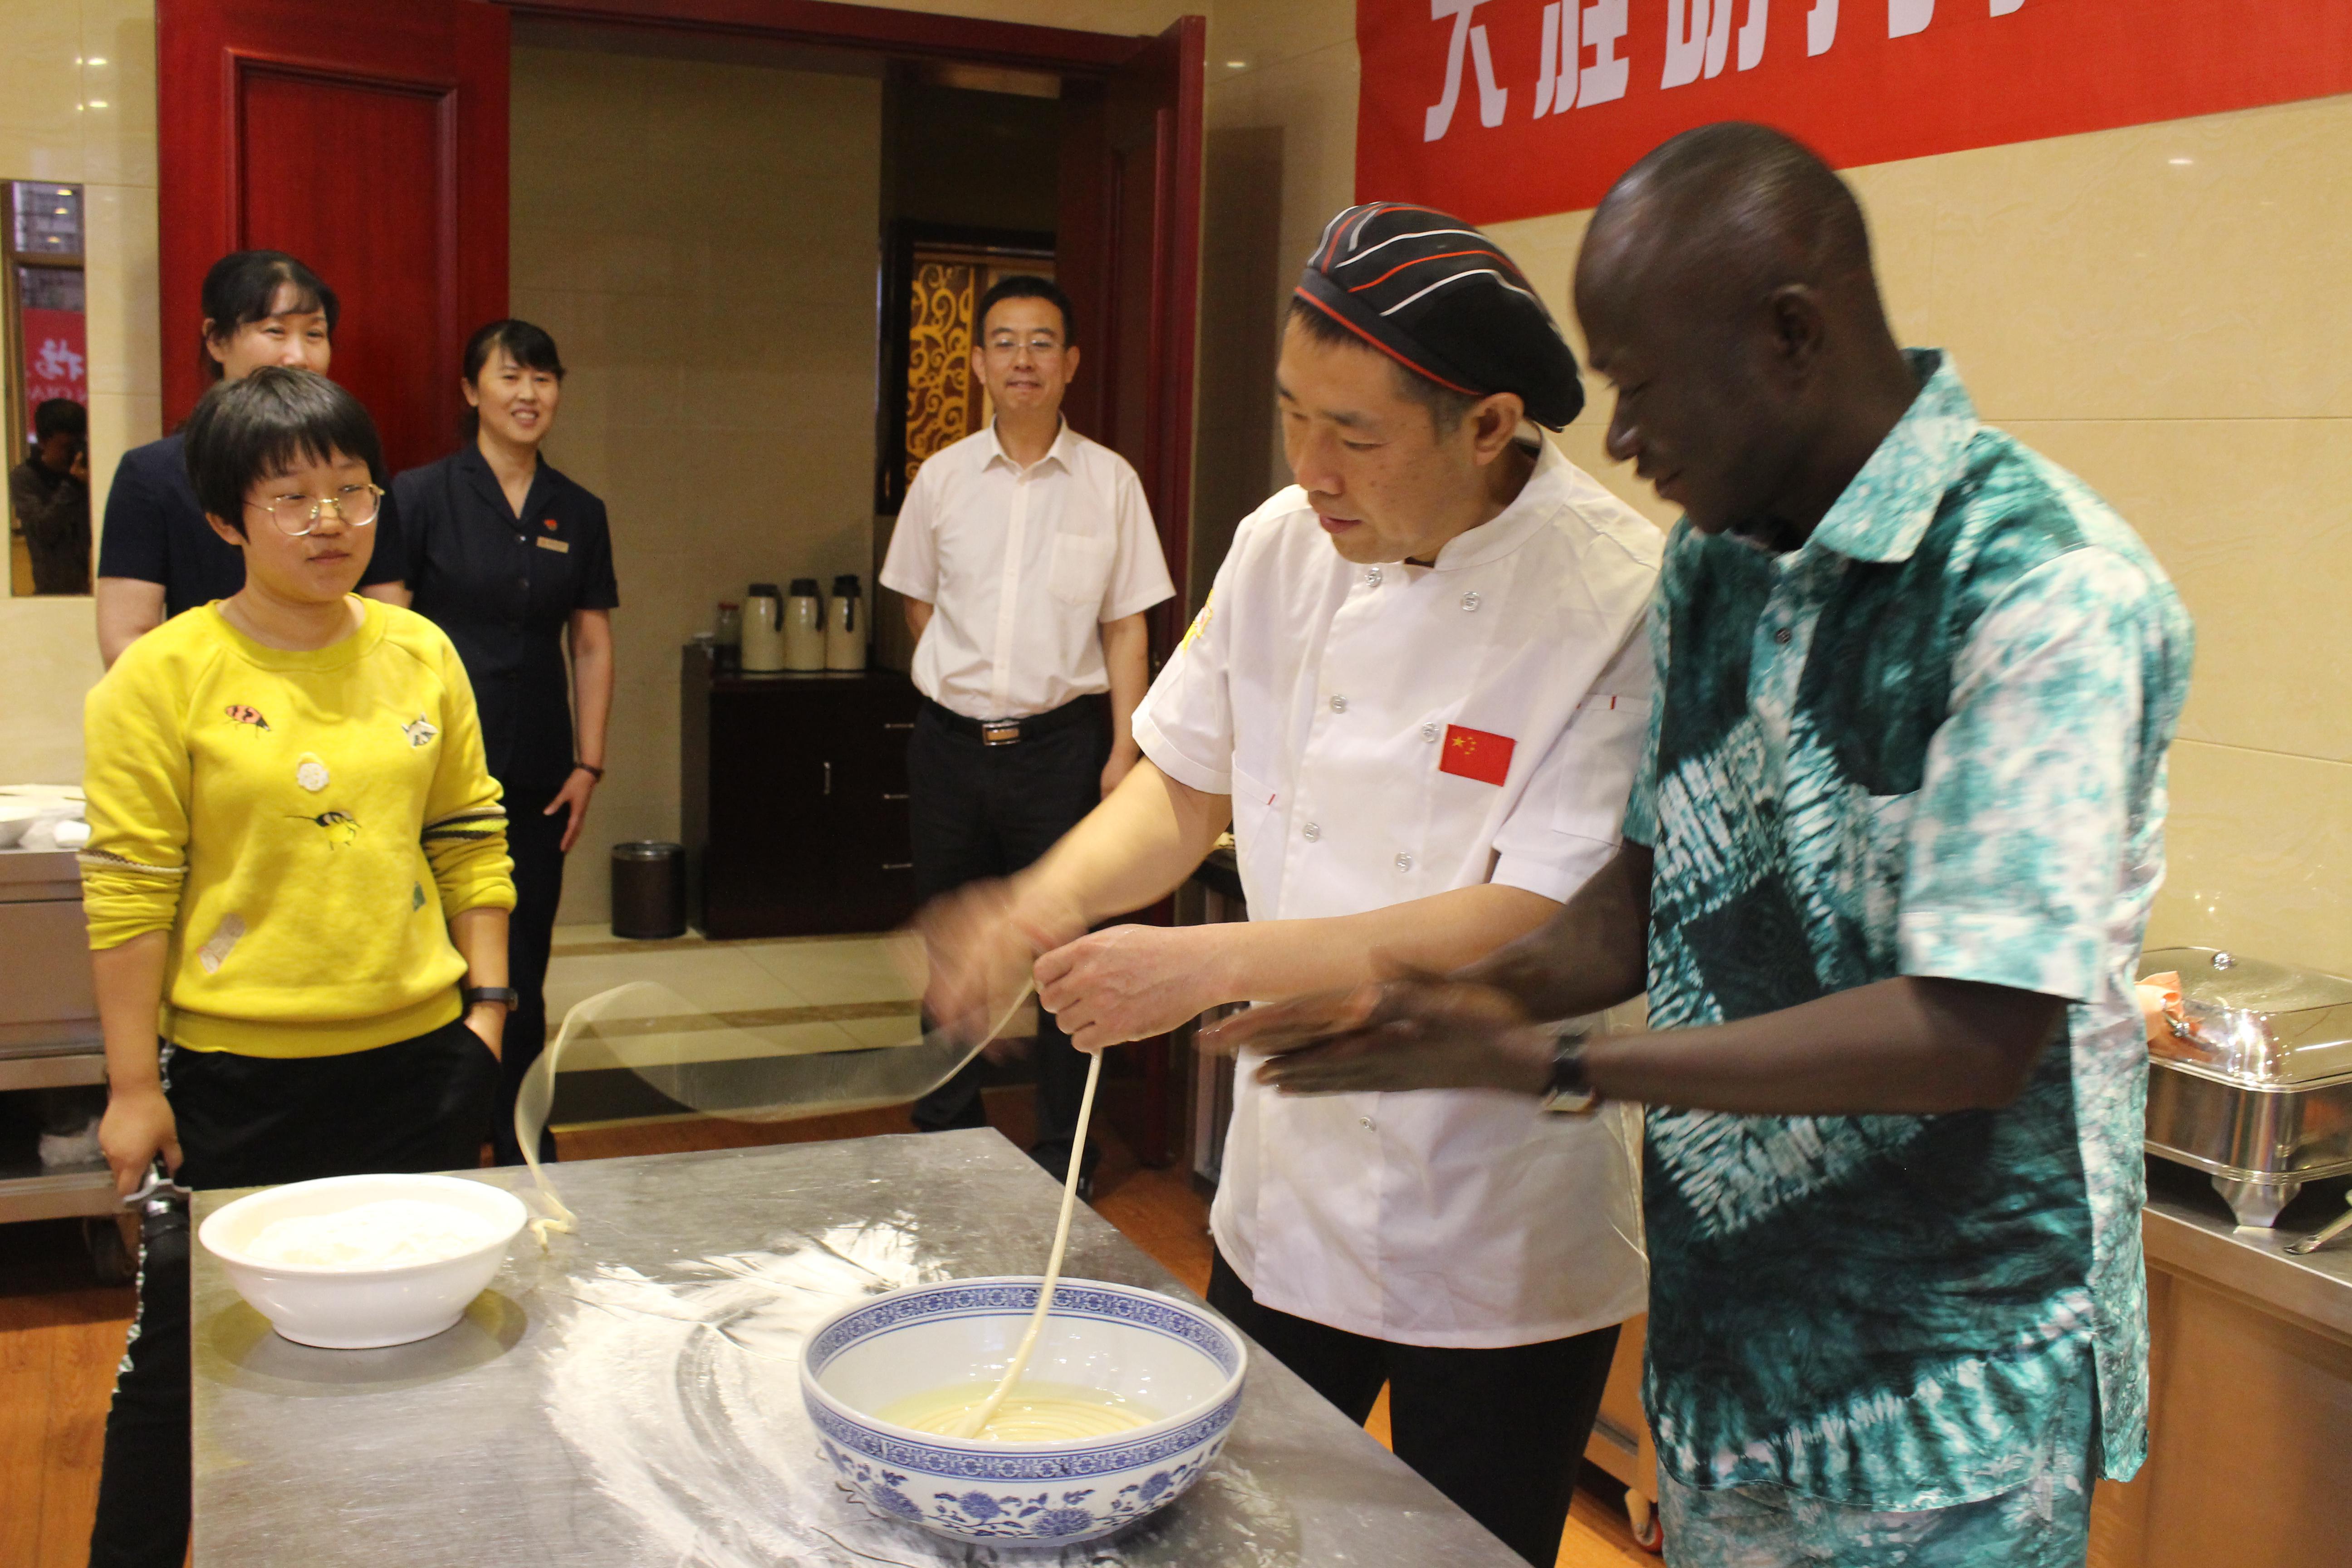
1477, 754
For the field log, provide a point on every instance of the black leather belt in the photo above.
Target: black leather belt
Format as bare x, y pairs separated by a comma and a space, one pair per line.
1012, 732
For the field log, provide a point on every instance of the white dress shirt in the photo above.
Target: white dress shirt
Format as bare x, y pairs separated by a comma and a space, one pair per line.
1021, 567
1325, 696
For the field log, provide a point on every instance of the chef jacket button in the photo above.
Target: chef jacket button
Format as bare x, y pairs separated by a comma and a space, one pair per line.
1311, 832
1371, 578
1404, 863
1782, 637
1429, 731
1470, 601
1338, 704
1365, 1123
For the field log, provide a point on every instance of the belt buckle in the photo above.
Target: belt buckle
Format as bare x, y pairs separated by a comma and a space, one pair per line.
999, 731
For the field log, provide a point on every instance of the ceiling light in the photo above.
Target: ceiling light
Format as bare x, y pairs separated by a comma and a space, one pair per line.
98, 60
2182, 163
1235, 64
98, 103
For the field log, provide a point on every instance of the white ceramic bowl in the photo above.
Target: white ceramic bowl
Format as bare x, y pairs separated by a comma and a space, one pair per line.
360, 1309
1162, 1353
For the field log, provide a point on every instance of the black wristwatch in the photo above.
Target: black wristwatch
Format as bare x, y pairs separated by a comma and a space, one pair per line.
1568, 1092
471, 994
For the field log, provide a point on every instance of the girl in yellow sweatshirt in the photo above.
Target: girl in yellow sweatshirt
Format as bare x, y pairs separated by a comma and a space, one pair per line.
297, 874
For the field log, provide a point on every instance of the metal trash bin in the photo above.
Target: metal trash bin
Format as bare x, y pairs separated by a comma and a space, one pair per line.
648, 891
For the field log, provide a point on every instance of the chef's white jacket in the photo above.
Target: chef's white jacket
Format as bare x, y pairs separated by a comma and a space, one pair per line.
1324, 697
1021, 567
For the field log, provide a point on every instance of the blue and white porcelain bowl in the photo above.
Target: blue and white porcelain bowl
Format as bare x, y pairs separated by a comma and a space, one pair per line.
1167, 1355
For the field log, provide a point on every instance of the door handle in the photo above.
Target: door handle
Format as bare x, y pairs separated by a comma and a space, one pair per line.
828, 778
898, 865
906, 726
888, 796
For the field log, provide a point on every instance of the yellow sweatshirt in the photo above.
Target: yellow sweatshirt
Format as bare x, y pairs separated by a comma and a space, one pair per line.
303, 824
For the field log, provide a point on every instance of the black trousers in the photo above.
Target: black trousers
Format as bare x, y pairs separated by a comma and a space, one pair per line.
980, 812
422, 1104
1500, 1432
535, 840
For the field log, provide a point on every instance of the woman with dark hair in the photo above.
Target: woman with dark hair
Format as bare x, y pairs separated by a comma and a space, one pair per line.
157, 556
298, 861
506, 554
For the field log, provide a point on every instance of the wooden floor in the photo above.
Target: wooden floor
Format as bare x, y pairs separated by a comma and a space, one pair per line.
61, 1334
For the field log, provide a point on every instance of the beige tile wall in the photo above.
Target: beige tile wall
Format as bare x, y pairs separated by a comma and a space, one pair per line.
701, 239
52, 128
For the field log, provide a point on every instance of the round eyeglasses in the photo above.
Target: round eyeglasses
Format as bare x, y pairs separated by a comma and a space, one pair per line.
294, 516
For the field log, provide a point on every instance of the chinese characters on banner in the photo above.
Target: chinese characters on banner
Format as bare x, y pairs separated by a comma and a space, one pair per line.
57, 365
1504, 108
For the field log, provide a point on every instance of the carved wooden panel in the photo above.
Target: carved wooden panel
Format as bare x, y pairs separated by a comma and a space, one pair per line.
941, 405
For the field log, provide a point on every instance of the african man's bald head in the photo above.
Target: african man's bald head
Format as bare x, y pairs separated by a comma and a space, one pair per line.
1747, 205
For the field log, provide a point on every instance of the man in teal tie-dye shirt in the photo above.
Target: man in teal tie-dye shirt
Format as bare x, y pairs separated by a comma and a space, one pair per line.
1885, 876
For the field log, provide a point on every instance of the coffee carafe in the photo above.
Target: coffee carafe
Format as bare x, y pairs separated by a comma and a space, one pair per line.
763, 629
844, 626
804, 626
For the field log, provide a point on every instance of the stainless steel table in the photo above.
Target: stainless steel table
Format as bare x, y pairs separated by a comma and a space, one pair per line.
631, 1395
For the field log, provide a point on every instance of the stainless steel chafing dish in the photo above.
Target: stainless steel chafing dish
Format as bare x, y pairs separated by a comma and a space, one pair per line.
2255, 1084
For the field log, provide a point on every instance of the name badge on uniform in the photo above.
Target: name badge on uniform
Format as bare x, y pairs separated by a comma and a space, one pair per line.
555, 544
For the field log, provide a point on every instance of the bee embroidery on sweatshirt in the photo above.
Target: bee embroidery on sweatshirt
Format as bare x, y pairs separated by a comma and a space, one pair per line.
333, 821
420, 733
244, 715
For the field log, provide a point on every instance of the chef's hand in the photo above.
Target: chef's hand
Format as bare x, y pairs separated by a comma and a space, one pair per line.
1126, 983
1420, 1031
980, 942
488, 1022
573, 798
138, 1126
1122, 762
81, 472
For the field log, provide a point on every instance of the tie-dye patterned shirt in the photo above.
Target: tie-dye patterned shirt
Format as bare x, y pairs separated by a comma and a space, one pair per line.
1929, 742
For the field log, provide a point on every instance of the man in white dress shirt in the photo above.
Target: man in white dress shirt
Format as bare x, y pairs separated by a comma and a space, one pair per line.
1418, 693
1027, 557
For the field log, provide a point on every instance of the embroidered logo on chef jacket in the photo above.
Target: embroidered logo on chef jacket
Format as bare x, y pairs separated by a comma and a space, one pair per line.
242, 714
420, 732
1477, 754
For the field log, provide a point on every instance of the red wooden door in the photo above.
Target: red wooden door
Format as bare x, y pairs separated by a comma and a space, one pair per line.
1128, 252
369, 140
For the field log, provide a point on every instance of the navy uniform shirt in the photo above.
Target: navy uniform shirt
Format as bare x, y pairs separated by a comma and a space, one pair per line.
504, 587
155, 532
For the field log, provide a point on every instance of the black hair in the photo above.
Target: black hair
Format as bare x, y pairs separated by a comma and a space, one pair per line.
242, 288
59, 417
1027, 285
245, 431
528, 345
1447, 408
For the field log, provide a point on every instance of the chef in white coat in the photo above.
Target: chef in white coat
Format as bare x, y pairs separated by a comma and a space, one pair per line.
1418, 693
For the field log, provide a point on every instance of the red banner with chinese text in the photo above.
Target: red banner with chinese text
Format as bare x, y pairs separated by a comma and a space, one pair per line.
1495, 109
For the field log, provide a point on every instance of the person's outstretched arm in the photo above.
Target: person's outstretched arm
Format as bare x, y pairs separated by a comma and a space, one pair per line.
1128, 852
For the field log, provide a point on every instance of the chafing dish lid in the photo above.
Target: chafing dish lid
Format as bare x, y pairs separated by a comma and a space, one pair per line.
2254, 1021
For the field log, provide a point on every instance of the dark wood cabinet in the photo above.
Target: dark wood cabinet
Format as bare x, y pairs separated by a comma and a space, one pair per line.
793, 800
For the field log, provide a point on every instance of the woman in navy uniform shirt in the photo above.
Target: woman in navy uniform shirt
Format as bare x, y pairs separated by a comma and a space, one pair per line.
505, 553
157, 555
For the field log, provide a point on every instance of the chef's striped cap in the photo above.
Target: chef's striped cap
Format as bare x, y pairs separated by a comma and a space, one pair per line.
1443, 300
